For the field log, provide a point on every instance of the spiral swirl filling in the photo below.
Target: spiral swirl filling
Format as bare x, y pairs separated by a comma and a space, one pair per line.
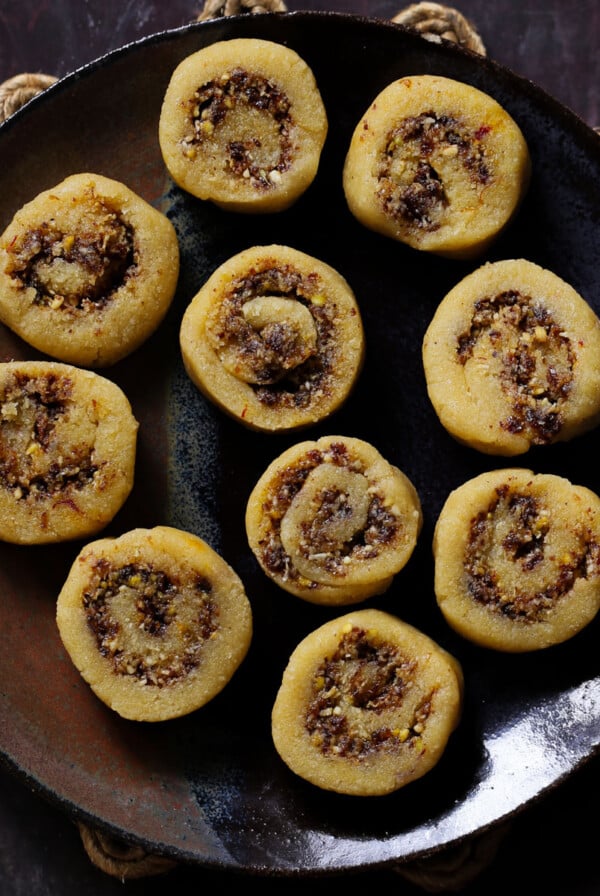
275, 331
513, 532
150, 625
341, 528
355, 686
31, 409
76, 268
534, 356
249, 117
418, 153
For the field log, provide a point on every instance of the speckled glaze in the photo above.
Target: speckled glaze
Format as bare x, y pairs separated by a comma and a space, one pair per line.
209, 788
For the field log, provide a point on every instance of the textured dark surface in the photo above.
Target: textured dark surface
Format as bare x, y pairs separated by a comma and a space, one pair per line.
528, 720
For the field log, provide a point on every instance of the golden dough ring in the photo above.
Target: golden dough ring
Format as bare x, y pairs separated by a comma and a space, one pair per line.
243, 124
67, 450
331, 521
88, 270
517, 559
436, 164
155, 620
512, 359
274, 338
366, 705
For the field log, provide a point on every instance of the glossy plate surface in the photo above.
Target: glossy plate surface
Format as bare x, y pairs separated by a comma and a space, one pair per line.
209, 788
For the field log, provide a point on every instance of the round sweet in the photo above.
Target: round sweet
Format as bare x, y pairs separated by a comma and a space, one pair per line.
67, 451
332, 522
517, 559
367, 705
88, 270
512, 359
156, 622
274, 338
436, 164
243, 124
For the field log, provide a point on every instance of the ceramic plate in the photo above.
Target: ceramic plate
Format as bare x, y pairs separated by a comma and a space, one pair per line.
209, 788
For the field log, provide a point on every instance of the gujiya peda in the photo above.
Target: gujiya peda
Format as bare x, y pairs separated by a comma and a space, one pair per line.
155, 620
88, 270
67, 451
438, 165
366, 705
332, 521
243, 125
512, 359
274, 338
517, 559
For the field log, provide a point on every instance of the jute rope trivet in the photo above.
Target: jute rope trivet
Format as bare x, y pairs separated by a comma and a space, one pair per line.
119, 859
455, 867
215, 8
19, 89
445, 872
451, 869
434, 21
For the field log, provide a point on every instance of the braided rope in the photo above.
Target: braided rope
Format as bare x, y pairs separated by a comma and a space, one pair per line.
215, 8
434, 21
455, 867
119, 859
19, 89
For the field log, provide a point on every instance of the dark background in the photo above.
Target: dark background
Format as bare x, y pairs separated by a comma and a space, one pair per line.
551, 847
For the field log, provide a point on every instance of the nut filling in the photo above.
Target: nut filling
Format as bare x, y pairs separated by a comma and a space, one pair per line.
77, 271
150, 625
276, 331
535, 360
514, 529
333, 535
30, 410
361, 679
259, 159
417, 153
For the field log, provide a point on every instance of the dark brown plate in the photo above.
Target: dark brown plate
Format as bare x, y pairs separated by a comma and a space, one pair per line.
209, 788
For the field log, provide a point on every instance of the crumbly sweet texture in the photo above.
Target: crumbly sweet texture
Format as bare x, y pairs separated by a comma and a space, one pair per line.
438, 165
517, 559
156, 622
332, 522
274, 338
243, 125
67, 451
512, 359
366, 705
88, 270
